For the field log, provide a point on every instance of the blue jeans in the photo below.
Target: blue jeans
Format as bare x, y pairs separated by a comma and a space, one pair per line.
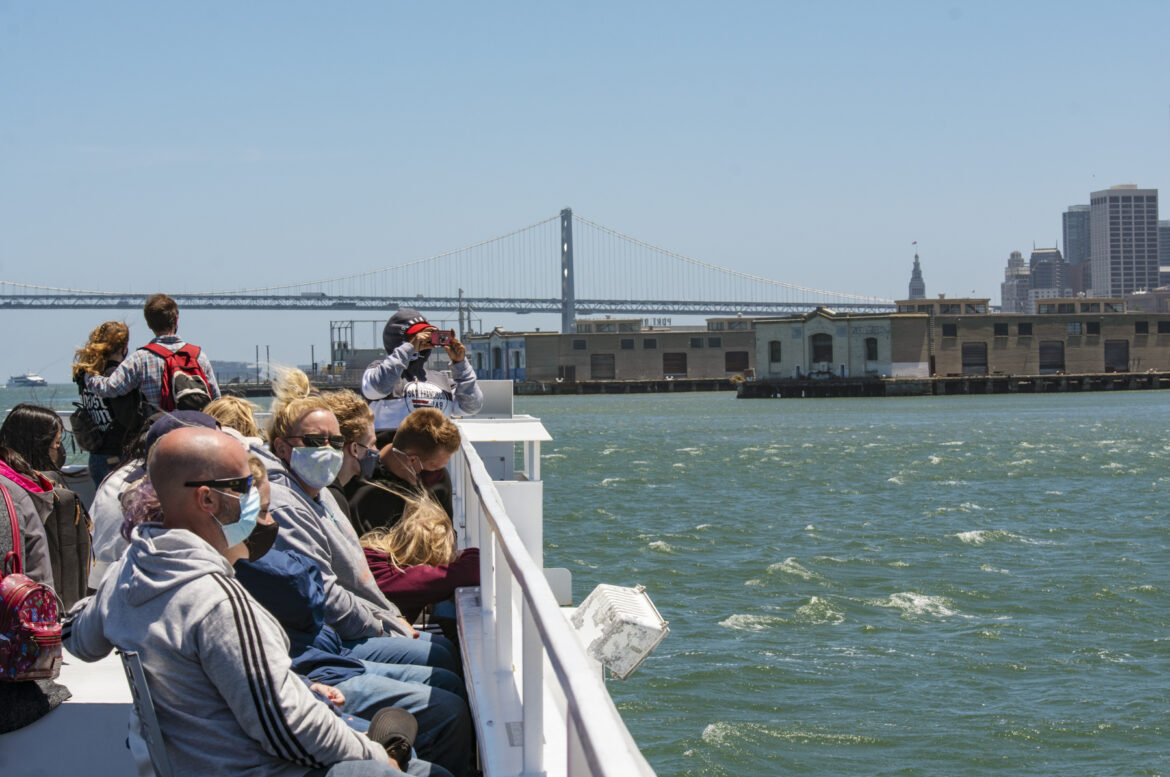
100, 466
428, 650
444, 721
408, 673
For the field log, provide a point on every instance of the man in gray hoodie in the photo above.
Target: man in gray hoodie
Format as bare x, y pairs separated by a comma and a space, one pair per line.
217, 663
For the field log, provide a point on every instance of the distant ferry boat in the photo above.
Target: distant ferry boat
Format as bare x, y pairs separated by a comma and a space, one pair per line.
26, 380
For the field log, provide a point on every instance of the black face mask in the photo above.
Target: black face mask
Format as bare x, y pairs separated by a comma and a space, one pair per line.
260, 540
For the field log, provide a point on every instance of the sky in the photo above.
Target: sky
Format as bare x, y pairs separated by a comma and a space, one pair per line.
182, 147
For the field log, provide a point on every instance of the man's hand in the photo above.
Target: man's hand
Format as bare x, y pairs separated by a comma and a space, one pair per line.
409, 629
335, 697
422, 339
456, 350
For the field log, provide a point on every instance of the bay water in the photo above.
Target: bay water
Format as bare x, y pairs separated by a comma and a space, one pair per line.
922, 586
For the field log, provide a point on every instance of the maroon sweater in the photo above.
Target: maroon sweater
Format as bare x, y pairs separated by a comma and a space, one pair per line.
415, 587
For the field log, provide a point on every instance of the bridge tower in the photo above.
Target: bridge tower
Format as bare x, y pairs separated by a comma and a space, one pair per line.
568, 297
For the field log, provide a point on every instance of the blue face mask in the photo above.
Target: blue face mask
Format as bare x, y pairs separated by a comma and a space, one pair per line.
235, 533
316, 467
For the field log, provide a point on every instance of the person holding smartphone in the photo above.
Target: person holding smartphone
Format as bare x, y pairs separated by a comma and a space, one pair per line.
401, 383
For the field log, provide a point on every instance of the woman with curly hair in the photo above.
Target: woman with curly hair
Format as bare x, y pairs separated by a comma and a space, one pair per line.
117, 419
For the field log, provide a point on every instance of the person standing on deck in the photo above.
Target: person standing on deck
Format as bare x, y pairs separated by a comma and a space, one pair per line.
401, 382
146, 370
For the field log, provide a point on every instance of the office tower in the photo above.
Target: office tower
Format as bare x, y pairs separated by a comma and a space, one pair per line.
1164, 253
1047, 274
1123, 235
1075, 228
1013, 292
917, 285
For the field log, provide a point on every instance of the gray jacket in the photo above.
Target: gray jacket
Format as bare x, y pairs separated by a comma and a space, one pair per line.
354, 605
383, 385
216, 662
30, 516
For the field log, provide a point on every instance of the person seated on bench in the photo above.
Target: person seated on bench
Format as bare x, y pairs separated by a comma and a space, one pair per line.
216, 662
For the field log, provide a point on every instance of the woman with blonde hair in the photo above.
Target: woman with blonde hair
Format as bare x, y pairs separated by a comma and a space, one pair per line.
415, 562
235, 413
304, 456
115, 420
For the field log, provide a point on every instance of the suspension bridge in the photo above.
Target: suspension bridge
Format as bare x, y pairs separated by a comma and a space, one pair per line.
564, 264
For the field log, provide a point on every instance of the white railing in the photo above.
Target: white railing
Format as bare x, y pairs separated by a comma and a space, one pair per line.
540, 703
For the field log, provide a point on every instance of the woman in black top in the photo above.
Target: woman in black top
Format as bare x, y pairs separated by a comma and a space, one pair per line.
116, 419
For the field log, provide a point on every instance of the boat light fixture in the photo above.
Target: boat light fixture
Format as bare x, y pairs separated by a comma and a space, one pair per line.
619, 627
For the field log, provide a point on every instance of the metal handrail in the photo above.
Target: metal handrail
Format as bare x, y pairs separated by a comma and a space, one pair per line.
600, 731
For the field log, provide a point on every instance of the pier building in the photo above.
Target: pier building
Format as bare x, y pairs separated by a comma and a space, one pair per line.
617, 349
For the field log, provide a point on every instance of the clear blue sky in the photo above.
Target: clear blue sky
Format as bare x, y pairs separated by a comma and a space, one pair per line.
159, 146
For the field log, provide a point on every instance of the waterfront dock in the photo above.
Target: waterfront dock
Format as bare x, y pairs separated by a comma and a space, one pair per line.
951, 384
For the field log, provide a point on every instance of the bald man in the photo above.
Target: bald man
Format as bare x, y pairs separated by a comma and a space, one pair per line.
216, 662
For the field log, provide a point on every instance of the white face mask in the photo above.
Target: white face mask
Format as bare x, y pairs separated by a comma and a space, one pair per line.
316, 467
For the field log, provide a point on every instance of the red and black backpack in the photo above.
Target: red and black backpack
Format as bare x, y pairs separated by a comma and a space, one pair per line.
185, 385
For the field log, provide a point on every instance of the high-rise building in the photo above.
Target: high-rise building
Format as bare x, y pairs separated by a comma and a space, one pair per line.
1013, 292
1164, 253
1123, 235
1047, 276
917, 285
1075, 228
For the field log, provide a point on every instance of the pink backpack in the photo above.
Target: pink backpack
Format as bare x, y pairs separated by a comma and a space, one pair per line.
30, 636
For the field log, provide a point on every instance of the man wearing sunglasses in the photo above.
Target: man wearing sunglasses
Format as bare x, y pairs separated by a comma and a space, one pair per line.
173, 598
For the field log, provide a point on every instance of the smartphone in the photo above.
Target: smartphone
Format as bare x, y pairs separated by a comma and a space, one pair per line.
442, 336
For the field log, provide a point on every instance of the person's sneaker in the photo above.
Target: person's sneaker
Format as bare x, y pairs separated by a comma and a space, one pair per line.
395, 730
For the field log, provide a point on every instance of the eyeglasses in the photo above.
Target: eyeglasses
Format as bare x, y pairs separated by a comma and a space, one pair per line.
239, 485
319, 440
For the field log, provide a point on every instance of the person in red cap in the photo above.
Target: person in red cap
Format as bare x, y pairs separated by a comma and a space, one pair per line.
401, 383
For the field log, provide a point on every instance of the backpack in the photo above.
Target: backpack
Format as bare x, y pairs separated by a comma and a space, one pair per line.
30, 636
185, 385
85, 432
68, 530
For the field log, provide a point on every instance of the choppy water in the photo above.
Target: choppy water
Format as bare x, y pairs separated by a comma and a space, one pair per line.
924, 586
928, 586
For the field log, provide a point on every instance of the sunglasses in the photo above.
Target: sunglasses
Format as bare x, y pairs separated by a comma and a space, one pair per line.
239, 485
320, 440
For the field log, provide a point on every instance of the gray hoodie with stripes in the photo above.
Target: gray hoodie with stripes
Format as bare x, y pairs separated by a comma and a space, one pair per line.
216, 663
